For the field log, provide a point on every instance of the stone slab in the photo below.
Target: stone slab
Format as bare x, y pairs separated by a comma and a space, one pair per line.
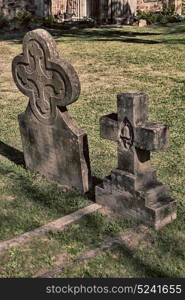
57, 225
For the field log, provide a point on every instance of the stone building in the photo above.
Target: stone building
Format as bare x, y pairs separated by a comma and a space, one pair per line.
40, 8
110, 11
157, 5
101, 10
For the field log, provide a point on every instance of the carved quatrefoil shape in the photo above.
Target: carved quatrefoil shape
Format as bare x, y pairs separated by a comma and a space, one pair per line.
41, 75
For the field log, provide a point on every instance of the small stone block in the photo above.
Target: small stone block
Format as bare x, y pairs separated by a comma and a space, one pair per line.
142, 23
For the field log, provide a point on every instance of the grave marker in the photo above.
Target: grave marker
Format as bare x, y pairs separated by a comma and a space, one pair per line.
53, 143
132, 189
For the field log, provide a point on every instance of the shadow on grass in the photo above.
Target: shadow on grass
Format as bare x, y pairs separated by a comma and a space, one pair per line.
160, 257
35, 202
13, 37
12, 154
32, 191
162, 254
150, 270
86, 34
107, 35
178, 28
104, 34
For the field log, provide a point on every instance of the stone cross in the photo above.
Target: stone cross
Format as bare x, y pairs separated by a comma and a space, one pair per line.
134, 177
54, 145
134, 134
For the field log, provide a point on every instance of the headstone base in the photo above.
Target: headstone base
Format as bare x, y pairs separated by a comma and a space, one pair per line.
150, 204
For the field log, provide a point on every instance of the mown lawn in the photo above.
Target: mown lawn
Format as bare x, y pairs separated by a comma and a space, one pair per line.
109, 60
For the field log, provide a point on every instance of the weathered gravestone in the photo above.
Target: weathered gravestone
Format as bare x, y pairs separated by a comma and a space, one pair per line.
54, 145
132, 189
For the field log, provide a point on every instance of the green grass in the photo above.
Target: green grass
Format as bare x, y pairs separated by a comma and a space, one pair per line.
41, 254
109, 61
28, 201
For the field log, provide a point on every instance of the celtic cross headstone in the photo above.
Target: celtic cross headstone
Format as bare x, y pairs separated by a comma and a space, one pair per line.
53, 143
132, 189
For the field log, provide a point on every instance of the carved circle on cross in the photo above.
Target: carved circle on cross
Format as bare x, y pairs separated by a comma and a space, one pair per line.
46, 79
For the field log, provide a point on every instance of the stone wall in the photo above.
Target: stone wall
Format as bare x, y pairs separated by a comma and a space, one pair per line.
117, 11
157, 5
42, 7
177, 5
149, 5
104, 10
9, 8
79, 8
58, 5
70, 6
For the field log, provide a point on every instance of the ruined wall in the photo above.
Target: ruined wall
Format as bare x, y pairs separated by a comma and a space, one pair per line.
9, 8
157, 5
177, 5
76, 7
149, 5
42, 7
58, 5
115, 11
103, 10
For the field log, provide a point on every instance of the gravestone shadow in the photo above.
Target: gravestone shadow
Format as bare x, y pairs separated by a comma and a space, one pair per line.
12, 154
91, 193
17, 157
137, 263
102, 34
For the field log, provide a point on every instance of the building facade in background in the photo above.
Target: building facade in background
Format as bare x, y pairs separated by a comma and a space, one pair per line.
104, 11
40, 8
109, 10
